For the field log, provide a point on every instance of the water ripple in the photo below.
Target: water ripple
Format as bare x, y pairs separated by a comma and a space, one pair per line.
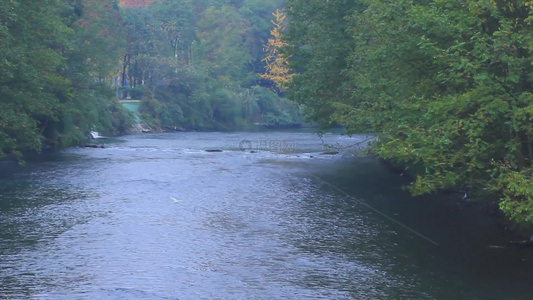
157, 217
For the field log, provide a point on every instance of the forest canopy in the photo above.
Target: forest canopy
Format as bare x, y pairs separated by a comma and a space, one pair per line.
194, 64
198, 65
446, 86
55, 58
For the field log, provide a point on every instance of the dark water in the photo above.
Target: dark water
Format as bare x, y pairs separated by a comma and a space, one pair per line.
157, 217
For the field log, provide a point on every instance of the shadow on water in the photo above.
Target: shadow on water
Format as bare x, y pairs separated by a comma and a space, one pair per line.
462, 264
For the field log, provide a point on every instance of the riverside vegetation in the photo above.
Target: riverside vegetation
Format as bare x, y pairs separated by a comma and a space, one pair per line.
195, 65
444, 85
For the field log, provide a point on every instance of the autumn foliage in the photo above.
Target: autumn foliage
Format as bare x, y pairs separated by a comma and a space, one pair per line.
277, 68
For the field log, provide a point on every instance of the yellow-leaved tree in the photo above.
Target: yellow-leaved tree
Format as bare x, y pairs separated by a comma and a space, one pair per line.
277, 67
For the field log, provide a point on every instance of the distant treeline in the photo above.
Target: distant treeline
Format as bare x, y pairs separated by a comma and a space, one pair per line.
195, 64
445, 85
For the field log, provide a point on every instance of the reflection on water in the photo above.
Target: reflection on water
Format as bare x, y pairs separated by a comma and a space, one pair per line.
158, 217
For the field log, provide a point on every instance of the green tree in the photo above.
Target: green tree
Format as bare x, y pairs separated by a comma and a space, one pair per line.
221, 32
176, 20
56, 58
201, 62
319, 41
446, 85
33, 38
258, 14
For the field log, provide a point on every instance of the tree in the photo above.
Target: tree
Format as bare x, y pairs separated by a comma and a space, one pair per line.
221, 32
277, 67
446, 86
456, 107
33, 38
318, 43
176, 19
56, 58
200, 61
258, 14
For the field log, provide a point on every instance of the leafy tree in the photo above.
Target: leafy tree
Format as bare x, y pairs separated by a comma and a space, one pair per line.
55, 59
33, 38
258, 14
201, 62
177, 22
277, 68
318, 41
446, 85
91, 65
222, 31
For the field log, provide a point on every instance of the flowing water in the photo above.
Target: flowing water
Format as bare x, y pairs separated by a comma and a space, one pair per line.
270, 217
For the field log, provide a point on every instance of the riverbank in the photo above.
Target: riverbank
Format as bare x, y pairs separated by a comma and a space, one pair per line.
518, 236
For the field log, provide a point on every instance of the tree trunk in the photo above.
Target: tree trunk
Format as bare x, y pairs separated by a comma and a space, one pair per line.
124, 68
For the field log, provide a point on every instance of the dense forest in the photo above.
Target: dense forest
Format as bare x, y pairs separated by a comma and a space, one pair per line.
445, 85
194, 64
55, 62
198, 64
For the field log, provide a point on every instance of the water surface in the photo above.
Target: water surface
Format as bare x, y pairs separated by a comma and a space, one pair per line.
158, 217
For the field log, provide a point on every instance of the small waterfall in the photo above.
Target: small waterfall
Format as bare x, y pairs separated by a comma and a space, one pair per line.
95, 135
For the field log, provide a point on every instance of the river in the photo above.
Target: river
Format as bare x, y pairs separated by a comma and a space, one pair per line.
157, 217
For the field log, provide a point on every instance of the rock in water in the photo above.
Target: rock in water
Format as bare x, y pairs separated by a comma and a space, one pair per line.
330, 153
93, 146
